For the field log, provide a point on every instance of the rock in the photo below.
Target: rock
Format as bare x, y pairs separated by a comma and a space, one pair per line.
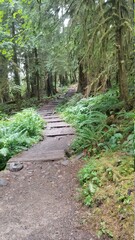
15, 167
77, 157
65, 162
68, 152
3, 182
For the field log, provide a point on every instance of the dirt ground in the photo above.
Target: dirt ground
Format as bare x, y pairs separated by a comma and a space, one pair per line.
39, 202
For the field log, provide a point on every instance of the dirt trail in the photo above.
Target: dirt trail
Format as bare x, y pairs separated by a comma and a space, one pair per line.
38, 202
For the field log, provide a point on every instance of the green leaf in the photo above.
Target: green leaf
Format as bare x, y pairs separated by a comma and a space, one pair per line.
4, 151
91, 188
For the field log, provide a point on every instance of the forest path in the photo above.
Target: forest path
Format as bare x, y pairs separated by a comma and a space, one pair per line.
38, 202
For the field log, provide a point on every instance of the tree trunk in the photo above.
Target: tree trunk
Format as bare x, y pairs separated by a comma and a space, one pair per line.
4, 85
15, 64
27, 75
62, 80
55, 82
122, 74
37, 73
82, 84
49, 84
32, 77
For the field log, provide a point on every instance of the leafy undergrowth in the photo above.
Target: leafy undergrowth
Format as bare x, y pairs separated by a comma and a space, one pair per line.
107, 187
17, 133
101, 123
13, 107
105, 133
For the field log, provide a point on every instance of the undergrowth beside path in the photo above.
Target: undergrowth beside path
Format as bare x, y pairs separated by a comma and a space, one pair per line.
18, 133
105, 133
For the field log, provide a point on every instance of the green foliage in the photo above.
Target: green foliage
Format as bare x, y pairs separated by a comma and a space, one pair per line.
103, 171
18, 133
7, 108
103, 231
90, 131
100, 123
105, 133
11, 108
90, 181
3, 115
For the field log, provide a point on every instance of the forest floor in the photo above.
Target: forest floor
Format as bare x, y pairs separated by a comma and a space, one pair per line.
40, 201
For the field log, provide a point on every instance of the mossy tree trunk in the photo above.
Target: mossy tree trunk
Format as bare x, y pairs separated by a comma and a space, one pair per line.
37, 74
27, 75
17, 93
120, 43
122, 74
82, 82
4, 84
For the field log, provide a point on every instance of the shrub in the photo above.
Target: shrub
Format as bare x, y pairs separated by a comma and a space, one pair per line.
18, 133
99, 123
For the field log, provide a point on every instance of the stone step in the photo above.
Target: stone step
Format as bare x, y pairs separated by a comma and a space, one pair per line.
45, 112
53, 120
48, 156
50, 116
57, 125
59, 132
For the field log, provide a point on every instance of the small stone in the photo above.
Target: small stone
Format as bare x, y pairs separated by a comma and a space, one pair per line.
60, 176
14, 176
65, 162
68, 152
3, 182
15, 167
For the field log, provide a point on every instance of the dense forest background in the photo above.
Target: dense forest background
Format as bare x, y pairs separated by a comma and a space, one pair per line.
45, 44
49, 44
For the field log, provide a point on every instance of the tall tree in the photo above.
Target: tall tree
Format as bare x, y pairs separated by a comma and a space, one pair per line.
55, 42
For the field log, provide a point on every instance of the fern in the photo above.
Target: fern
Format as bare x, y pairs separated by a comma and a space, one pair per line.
19, 133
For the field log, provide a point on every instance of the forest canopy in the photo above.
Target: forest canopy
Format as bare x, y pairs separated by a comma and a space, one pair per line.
46, 43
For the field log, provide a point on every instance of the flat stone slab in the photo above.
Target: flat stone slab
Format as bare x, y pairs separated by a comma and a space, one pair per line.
52, 120
49, 116
49, 106
42, 150
52, 148
59, 132
49, 156
47, 112
57, 125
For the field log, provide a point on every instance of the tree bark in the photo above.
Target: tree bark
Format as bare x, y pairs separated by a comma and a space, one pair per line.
27, 75
37, 73
82, 84
122, 74
55, 82
4, 85
15, 64
49, 85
